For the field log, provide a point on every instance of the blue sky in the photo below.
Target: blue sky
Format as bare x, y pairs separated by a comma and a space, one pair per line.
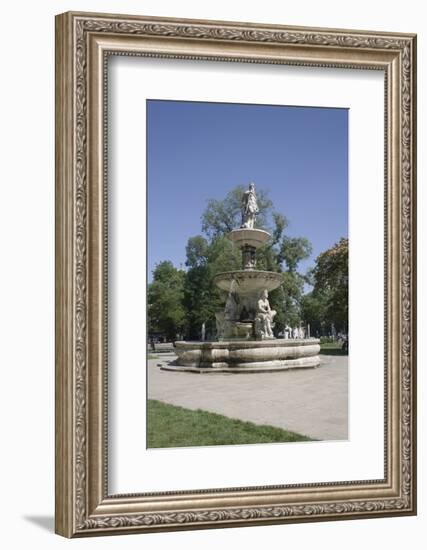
197, 151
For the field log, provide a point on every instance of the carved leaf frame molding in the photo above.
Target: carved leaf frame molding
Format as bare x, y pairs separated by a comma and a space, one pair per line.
83, 43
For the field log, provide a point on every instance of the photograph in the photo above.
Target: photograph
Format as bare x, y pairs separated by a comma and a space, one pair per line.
248, 282
235, 273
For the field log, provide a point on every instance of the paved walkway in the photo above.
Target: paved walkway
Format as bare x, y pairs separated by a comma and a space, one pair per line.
312, 402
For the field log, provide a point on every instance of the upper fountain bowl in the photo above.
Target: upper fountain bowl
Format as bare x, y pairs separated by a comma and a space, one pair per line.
249, 237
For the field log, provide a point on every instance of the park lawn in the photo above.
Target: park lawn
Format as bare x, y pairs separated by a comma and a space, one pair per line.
171, 426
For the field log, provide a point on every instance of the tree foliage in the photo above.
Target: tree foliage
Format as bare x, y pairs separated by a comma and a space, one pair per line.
328, 302
293, 250
197, 251
166, 313
201, 298
313, 312
198, 296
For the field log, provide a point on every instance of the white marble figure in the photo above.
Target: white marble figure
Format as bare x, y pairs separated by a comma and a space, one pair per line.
264, 317
249, 207
203, 332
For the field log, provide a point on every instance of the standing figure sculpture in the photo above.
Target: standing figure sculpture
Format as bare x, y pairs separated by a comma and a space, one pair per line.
249, 208
264, 317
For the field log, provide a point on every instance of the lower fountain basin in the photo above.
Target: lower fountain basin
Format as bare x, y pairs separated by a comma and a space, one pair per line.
246, 281
245, 356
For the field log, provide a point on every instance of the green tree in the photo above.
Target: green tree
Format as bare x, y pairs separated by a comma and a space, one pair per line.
201, 297
292, 289
197, 251
197, 294
313, 312
166, 312
328, 302
293, 250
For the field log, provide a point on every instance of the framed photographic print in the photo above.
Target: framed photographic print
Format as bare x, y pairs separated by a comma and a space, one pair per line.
235, 274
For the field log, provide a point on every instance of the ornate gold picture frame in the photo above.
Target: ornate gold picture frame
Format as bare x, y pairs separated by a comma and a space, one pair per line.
84, 506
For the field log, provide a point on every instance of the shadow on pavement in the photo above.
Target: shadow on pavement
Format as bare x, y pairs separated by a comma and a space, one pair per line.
333, 352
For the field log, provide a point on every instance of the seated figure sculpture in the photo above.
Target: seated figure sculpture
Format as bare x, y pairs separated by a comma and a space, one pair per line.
264, 317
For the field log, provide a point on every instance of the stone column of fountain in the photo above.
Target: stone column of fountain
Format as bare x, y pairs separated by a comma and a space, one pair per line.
247, 313
245, 327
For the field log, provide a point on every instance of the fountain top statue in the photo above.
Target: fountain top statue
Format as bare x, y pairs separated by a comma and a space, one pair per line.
249, 207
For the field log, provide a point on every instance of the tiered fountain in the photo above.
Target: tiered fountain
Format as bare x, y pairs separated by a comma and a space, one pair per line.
245, 327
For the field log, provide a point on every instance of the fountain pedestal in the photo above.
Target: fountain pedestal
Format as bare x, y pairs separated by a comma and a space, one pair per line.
244, 288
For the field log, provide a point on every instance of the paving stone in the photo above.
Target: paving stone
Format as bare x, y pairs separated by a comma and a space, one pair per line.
310, 402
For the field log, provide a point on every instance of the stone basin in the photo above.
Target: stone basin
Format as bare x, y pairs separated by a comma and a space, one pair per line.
246, 282
245, 356
249, 237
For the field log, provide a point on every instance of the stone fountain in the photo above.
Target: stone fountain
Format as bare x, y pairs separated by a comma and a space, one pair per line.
246, 342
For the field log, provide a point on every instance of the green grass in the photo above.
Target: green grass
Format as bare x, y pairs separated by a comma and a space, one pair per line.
170, 426
152, 356
332, 348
